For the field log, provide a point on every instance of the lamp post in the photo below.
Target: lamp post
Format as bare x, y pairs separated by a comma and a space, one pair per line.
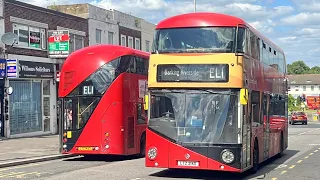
195, 5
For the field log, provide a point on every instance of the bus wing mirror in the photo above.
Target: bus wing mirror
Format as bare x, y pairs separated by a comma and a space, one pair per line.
243, 96
146, 102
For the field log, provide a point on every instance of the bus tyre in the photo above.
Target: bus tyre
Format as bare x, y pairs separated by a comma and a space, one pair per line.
255, 165
143, 146
281, 146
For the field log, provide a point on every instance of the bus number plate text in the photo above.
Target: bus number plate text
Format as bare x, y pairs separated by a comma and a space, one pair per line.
85, 148
188, 163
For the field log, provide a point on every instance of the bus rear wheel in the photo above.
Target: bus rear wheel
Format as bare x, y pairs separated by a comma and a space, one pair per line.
143, 146
255, 165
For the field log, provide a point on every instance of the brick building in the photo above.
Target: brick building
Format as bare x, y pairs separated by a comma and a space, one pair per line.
33, 104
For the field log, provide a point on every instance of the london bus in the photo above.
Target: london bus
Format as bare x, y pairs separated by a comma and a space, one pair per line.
102, 89
217, 95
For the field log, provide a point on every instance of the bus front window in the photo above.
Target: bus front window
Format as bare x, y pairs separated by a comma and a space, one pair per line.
195, 116
195, 40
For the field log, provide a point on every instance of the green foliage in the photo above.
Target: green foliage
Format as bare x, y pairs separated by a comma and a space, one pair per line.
54, 7
298, 101
299, 67
293, 103
314, 70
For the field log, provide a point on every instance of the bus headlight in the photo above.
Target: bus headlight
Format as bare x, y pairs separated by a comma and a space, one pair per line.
227, 156
152, 153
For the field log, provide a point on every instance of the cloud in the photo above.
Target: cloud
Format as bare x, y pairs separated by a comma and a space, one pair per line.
266, 26
304, 18
309, 5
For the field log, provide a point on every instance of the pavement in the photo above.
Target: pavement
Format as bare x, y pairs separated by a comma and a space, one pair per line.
29, 150
300, 161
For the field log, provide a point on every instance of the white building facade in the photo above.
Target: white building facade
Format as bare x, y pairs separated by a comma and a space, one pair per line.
147, 35
308, 84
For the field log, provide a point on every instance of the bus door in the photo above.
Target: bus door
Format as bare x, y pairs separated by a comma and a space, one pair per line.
246, 135
266, 125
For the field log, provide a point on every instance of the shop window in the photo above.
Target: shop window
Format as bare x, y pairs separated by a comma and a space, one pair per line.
25, 107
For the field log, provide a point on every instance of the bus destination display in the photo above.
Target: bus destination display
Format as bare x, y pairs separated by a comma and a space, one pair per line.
193, 73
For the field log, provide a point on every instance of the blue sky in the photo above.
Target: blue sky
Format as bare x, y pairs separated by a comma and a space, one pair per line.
294, 25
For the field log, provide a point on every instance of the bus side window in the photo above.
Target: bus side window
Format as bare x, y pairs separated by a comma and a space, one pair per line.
132, 65
141, 116
140, 66
124, 65
146, 66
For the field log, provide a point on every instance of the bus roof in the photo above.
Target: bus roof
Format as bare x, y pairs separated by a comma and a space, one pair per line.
85, 61
208, 19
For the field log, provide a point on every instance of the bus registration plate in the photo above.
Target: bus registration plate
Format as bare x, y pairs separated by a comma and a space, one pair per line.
85, 148
188, 163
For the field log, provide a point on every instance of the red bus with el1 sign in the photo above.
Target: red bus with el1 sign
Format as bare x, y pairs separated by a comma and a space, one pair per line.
217, 95
101, 91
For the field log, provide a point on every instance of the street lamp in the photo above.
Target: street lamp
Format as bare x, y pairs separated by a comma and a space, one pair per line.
195, 5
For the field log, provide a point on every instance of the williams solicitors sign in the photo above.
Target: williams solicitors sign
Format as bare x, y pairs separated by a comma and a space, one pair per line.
29, 69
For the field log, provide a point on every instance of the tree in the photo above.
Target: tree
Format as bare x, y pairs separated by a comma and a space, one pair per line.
314, 70
293, 103
298, 67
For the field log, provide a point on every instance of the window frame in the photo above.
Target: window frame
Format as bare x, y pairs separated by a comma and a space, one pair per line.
98, 36
130, 38
72, 40
42, 36
147, 46
135, 43
125, 40
110, 34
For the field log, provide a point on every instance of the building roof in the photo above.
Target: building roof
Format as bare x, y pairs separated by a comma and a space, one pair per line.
304, 79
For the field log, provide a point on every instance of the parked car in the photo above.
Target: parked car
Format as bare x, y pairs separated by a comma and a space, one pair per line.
298, 117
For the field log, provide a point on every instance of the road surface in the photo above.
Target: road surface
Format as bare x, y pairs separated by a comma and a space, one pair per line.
300, 161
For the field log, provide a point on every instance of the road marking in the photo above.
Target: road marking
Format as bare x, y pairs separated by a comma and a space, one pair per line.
316, 150
283, 172
291, 167
306, 157
302, 133
299, 161
310, 154
274, 179
19, 167
135, 179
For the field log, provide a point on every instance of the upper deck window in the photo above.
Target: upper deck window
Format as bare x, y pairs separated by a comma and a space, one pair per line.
195, 40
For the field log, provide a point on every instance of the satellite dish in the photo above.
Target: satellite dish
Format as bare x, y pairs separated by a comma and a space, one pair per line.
9, 38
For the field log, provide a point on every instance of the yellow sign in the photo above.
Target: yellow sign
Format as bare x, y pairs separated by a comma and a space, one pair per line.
146, 102
69, 134
85, 148
244, 96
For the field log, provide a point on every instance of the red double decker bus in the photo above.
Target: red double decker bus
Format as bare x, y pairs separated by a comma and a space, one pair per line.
217, 95
101, 92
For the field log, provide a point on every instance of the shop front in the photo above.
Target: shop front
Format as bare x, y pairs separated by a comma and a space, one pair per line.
32, 105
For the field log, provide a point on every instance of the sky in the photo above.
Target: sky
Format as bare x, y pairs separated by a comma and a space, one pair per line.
294, 25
